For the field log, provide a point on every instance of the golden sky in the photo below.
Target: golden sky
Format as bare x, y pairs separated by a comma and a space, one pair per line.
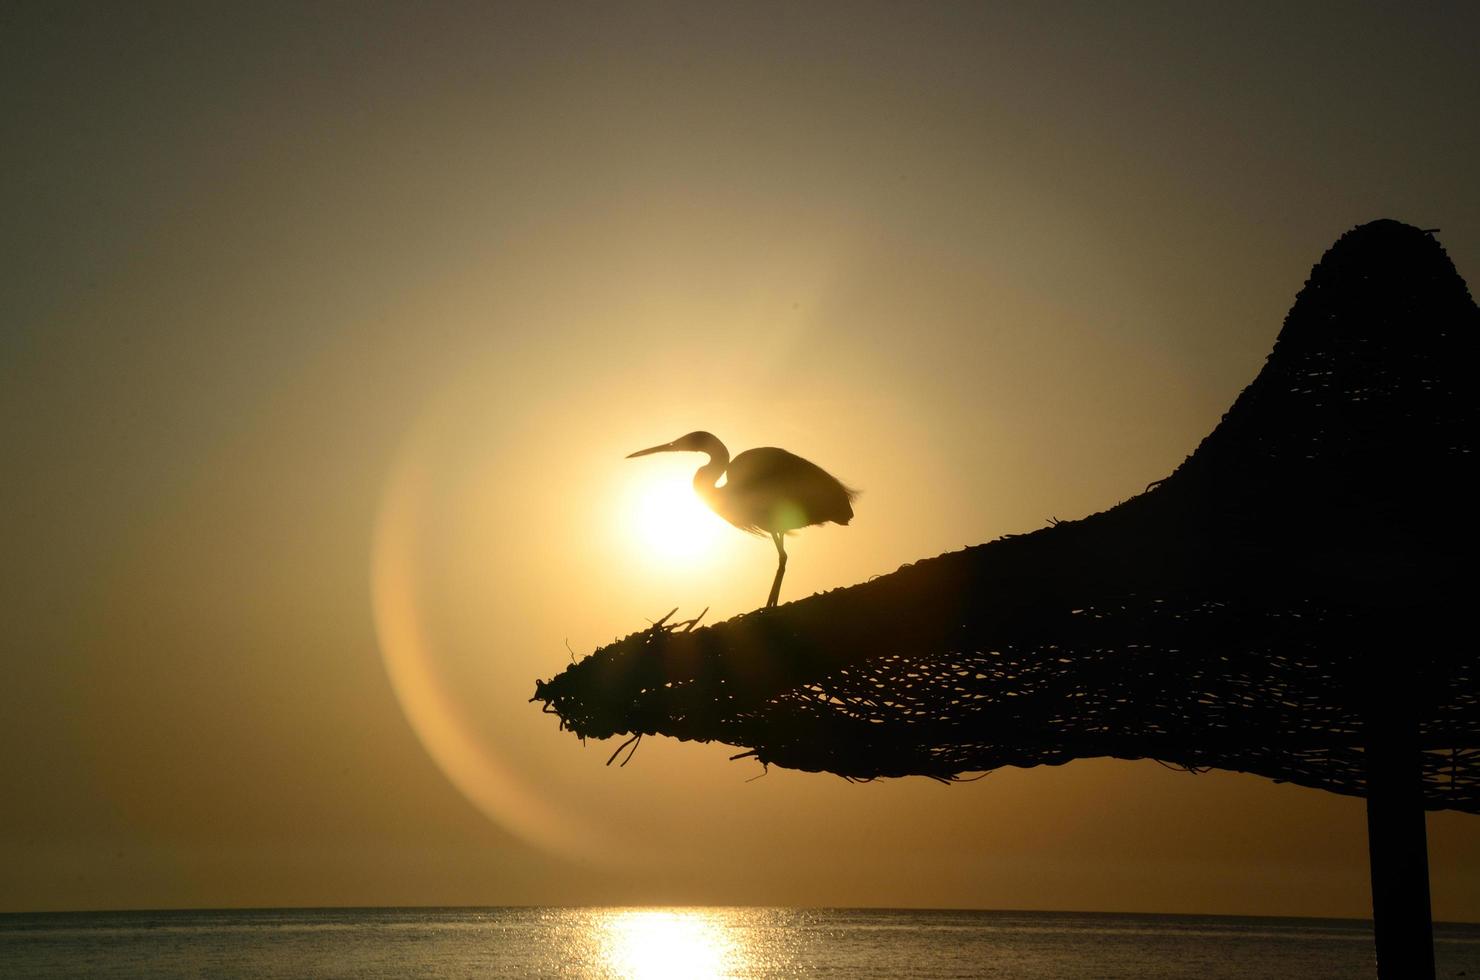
325, 331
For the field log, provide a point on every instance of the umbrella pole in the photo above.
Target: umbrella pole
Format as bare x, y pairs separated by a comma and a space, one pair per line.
1397, 844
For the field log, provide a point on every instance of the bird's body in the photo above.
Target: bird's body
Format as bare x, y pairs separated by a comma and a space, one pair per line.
766, 490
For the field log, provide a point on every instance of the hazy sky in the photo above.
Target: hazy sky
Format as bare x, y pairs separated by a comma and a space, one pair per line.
325, 329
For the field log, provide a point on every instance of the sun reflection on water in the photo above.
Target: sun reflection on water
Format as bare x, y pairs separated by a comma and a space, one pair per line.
659, 944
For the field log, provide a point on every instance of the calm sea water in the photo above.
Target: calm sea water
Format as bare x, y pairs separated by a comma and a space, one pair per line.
693, 943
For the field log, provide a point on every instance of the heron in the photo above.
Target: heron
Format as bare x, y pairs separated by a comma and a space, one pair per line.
766, 490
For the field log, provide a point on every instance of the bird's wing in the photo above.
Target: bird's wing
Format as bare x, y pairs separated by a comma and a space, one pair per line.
780, 491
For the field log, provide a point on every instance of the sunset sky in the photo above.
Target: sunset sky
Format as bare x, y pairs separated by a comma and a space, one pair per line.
325, 330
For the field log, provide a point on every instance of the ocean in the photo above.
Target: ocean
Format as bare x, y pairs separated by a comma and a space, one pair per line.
693, 943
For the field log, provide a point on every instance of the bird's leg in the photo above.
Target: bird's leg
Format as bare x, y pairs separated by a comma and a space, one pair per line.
776, 536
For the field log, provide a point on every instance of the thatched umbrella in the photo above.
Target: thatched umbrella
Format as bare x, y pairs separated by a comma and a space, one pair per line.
1291, 602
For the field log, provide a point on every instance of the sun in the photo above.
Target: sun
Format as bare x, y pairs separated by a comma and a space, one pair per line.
668, 524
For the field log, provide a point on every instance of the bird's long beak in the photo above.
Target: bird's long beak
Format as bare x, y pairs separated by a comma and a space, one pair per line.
666, 447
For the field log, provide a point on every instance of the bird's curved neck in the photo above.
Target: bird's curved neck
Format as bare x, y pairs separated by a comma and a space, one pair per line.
708, 474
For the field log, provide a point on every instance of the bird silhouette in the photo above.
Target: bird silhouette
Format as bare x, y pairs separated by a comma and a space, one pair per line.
766, 490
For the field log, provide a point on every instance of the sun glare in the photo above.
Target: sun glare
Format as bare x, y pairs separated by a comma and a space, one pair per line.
658, 944
668, 523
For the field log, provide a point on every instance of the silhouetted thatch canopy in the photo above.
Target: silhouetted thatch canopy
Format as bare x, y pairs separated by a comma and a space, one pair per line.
1303, 576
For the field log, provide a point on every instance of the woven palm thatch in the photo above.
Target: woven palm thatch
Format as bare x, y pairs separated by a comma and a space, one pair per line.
1301, 583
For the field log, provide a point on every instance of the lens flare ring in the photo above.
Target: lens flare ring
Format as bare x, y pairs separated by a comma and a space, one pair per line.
405, 643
